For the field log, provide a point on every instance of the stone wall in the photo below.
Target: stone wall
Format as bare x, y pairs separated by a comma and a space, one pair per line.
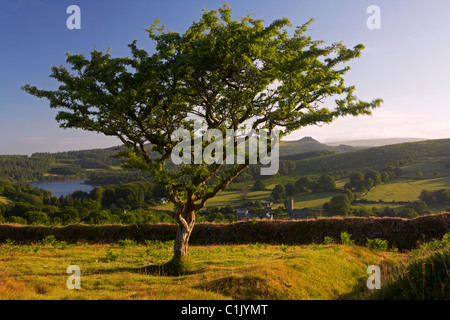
401, 233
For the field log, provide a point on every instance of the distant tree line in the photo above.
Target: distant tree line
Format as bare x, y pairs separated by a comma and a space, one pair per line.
362, 182
253, 172
23, 168
325, 183
341, 205
217, 214
108, 177
55, 166
127, 204
436, 197
306, 155
93, 159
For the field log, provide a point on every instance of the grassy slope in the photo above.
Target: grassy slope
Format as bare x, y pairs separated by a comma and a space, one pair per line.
373, 142
431, 156
373, 158
222, 272
309, 144
408, 187
400, 189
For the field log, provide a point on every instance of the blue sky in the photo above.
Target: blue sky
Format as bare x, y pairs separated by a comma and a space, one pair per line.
405, 62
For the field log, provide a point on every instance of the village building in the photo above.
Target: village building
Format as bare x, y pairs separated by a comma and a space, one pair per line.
242, 213
163, 201
296, 213
250, 210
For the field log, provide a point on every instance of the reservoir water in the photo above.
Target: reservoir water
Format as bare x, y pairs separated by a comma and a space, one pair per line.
63, 188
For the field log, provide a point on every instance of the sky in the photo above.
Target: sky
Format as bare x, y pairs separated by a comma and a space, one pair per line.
405, 62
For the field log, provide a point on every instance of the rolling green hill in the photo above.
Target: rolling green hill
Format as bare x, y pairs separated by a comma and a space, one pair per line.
374, 158
373, 142
308, 144
100, 165
310, 156
431, 158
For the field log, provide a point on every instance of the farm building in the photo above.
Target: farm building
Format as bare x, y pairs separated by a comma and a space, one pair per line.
296, 213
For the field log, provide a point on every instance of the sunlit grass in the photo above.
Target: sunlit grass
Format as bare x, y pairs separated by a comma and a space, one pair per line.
251, 271
406, 189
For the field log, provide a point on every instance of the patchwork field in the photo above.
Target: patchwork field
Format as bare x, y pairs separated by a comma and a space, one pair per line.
405, 188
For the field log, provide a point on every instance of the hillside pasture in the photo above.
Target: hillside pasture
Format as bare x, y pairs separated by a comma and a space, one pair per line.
402, 189
428, 166
312, 272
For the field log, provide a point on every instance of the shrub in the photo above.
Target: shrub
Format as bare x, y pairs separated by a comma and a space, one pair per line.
110, 256
377, 244
126, 243
36, 248
328, 240
259, 185
446, 239
37, 218
10, 246
17, 220
157, 244
345, 238
338, 205
424, 277
50, 240
62, 244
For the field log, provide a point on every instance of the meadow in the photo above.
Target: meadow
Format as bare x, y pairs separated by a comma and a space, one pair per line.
335, 270
126, 270
405, 188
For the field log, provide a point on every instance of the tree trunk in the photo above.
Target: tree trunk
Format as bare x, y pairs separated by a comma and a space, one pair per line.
186, 221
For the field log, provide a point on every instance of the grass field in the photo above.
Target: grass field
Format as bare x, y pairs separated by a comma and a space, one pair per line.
427, 166
257, 271
312, 200
406, 189
399, 190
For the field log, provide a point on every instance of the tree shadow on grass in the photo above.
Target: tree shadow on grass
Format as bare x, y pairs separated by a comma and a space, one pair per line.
160, 269
358, 292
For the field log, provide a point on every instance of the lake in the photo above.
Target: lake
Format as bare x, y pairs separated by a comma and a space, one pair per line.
63, 188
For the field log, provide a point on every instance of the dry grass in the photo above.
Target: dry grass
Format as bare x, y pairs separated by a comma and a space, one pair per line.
253, 271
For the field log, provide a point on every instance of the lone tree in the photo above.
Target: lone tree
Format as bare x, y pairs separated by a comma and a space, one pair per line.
227, 73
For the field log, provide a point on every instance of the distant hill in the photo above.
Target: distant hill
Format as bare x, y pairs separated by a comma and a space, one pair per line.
373, 142
374, 158
308, 144
309, 155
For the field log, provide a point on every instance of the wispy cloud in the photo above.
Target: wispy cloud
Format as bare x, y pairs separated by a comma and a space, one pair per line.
34, 140
382, 124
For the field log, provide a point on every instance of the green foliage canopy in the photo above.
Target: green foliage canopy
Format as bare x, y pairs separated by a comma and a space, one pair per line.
228, 73
222, 70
